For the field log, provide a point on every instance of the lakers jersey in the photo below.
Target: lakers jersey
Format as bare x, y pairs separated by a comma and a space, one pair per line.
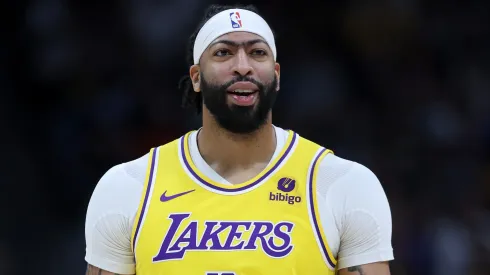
188, 224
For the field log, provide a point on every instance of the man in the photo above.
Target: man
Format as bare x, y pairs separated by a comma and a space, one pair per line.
239, 196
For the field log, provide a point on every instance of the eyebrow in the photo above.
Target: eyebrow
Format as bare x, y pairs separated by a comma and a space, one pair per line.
235, 44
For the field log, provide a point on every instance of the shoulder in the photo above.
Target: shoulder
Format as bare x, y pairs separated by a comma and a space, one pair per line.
131, 171
110, 216
358, 204
345, 175
119, 189
122, 177
122, 180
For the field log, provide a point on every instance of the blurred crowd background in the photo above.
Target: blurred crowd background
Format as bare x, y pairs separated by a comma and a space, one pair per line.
400, 86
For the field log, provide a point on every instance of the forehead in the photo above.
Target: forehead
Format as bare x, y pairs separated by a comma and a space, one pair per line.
240, 37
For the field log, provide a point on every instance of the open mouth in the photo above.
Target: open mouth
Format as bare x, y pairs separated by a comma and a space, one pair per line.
243, 97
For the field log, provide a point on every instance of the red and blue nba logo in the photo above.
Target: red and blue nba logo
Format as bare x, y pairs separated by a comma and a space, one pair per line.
236, 22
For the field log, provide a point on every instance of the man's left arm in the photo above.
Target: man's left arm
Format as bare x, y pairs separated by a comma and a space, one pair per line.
363, 217
379, 268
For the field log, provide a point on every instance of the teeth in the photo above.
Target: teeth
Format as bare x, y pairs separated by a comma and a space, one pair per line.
240, 91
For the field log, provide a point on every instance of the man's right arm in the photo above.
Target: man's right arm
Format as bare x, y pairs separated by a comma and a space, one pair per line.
92, 270
110, 217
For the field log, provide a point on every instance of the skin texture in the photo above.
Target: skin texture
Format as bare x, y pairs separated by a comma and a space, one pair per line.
92, 270
381, 268
236, 156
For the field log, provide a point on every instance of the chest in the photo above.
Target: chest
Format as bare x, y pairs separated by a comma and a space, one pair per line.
262, 231
190, 225
240, 174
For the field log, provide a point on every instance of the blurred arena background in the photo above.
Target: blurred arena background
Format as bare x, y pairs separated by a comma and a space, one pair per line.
400, 86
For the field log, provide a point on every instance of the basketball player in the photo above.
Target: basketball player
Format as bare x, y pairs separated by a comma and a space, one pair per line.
239, 196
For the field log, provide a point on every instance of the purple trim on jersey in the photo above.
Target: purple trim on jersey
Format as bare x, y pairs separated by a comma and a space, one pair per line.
147, 195
248, 186
312, 207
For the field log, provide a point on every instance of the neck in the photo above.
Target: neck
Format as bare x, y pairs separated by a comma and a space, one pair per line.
227, 151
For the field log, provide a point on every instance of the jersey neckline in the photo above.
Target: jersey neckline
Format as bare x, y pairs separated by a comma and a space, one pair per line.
207, 183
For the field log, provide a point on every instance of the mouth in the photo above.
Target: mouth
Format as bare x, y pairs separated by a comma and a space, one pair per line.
243, 97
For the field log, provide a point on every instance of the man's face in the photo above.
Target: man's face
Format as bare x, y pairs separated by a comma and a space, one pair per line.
239, 81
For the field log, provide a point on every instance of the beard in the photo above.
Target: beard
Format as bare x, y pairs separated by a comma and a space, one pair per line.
234, 118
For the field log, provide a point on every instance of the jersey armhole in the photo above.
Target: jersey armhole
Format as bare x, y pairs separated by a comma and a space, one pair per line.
145, 196
315, 221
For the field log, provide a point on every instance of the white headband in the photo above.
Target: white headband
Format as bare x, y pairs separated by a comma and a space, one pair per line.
232, 20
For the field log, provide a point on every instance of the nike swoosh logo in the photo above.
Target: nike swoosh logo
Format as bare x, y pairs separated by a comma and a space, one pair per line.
165, 198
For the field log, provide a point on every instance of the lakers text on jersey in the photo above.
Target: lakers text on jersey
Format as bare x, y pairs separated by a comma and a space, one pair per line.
189, 224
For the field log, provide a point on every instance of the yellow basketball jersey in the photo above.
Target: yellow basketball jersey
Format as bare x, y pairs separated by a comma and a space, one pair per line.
188, 224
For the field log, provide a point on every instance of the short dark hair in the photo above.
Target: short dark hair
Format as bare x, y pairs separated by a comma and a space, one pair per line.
190, 97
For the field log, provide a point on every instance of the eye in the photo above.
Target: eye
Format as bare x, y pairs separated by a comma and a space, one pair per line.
259, 52
222, 52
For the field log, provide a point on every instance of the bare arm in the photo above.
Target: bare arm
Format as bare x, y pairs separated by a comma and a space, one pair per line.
92, 270
380, 268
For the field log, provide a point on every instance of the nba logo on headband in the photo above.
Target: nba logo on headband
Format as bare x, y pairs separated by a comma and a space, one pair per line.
229, 21
236, 22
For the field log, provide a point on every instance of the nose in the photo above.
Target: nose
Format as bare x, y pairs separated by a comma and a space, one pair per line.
242, 64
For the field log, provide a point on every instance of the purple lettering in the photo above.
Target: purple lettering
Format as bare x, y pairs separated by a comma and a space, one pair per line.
274, 239
163, 254
259, 234
188, 236
280, 251
210, 235
235, 234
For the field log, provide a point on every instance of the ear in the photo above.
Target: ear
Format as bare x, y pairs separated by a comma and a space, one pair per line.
277, 71
194, 73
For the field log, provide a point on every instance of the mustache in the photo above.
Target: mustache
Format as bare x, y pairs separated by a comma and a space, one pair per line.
243, 79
